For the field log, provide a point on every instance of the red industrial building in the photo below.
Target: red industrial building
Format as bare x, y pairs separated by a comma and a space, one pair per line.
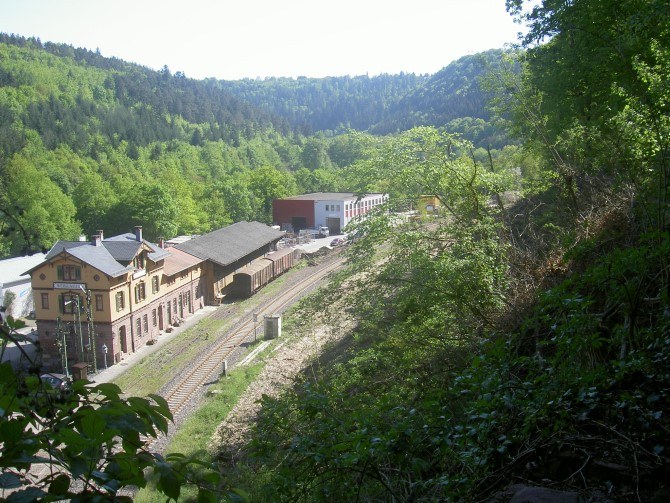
331, 209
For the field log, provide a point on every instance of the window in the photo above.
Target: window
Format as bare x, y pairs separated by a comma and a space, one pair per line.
145, 319
138, 261
69, 272
155, 284
120, 301
154, 318
69, 303
98, 302
140, 292
138, 327
45, 301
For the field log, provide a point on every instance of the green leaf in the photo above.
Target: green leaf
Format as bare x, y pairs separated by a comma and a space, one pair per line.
28, 495
169, 482
60, 485
9, 481
92, 425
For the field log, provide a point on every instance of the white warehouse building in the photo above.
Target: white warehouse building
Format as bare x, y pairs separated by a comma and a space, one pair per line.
330, 209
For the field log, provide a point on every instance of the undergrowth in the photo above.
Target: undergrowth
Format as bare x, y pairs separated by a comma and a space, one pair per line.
572, 395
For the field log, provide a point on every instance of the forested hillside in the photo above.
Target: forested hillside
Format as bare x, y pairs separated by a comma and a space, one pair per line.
327, 104
384, 104
512, 346
114, 144
88, 142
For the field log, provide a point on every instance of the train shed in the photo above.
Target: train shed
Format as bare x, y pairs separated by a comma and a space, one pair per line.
228, 250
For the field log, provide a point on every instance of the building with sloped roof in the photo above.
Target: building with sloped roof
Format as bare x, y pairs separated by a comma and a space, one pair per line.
12, 280
228, 249
97, 301
119, 293
328, 209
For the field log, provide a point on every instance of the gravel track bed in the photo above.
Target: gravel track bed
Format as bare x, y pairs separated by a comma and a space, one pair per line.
320, 260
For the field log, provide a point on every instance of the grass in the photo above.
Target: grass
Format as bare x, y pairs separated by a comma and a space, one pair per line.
153, 371
194, 436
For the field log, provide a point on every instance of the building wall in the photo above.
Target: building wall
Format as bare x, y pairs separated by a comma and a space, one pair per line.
317, 212
354, 208
283, 211
114, 326
23, 303
328, 209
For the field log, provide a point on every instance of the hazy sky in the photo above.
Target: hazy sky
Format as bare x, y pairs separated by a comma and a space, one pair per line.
230, 39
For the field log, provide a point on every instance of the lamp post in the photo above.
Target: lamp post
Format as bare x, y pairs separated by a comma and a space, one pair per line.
104, 353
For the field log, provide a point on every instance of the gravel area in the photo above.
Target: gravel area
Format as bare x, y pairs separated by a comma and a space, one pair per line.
279, 374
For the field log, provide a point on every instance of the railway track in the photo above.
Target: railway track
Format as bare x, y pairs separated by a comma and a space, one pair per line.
211, 366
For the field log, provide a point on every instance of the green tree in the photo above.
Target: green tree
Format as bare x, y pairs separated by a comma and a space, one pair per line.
267, 184
589, 80
44, 212
91, 439
157, 211
315, 154
94, 199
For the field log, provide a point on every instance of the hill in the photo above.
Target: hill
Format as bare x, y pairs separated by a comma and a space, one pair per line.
452, 98
115, 144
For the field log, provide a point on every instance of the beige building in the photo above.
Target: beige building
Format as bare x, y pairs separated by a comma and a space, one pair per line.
97, 301
100, 300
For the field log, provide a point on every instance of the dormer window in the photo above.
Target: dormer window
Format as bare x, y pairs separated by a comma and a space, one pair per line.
138, 261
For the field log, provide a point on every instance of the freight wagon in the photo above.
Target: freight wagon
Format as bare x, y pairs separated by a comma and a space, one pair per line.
248, 280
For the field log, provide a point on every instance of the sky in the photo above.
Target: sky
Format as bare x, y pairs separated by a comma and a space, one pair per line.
235, 39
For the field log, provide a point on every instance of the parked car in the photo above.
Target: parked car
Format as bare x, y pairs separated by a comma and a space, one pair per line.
58, 382
338, 242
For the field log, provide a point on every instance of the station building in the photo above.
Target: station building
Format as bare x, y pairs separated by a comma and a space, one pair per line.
99, 300
331, 209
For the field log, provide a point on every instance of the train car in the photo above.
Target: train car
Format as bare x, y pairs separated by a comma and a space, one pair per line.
248, 280
283, 260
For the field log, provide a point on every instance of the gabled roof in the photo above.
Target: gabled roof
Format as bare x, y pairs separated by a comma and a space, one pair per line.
330, 196
124, 247
179, 261
110, 256
63, 245
96, 256
11, 269
100, 258
225, 246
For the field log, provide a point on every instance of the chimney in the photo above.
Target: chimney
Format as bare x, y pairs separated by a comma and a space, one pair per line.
161, 242
96, 240
102, 234
138, 233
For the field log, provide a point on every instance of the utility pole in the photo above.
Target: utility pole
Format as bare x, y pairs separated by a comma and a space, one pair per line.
82, 356
62, 342
91, 329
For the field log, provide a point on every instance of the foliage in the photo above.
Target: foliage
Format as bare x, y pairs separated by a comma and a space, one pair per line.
86, 443
122, 142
